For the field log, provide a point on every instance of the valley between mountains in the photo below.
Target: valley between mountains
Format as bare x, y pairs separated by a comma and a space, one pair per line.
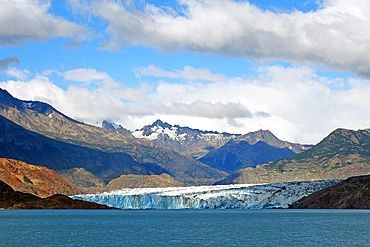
44, 152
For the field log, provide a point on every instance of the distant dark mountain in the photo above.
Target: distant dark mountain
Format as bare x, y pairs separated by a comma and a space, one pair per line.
353, 193
342, 154
250, 150
103, 146
234, 156
184, 140
267, 137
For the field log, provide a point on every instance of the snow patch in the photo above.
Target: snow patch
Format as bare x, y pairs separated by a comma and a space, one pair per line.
29, 105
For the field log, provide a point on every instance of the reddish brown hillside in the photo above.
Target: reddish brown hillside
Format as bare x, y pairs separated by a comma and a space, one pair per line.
36, 180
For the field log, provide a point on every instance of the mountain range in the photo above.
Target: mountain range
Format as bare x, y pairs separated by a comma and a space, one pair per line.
36, 133
161, 154
184, 140
342, 154
250, 150
223, 151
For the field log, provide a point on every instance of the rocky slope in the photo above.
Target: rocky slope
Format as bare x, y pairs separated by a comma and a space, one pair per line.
33, 148
342, 154
353, 193
184, 140
10, 199
36, 180
143, 181
82, 178
45, 120
250, 150
116, 128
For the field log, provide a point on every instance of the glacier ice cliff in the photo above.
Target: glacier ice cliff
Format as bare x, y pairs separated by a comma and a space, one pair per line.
240, 196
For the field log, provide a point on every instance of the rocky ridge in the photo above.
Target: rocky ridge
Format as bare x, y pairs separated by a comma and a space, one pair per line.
45, 120
223, 151
250, 150
342, 154
19, 143
184, 140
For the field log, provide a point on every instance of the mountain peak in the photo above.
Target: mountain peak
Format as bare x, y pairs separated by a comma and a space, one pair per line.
259, 135
110, 125
162, 124
7, 100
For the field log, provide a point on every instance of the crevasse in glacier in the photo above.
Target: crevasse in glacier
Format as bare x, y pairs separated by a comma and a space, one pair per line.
243, 196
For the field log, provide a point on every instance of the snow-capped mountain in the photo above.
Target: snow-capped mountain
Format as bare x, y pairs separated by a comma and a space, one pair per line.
187, 141
223, 151
242, 196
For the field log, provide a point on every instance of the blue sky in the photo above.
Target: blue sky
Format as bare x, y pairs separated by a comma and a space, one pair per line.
297, 68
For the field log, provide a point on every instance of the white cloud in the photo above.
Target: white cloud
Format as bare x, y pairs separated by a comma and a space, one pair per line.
209, 110
24, 20
188, 72
19, 74
294, 103
90, 76
336, 35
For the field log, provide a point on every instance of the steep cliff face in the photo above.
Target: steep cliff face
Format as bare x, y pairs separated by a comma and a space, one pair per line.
342, 154
36, 180
353, 193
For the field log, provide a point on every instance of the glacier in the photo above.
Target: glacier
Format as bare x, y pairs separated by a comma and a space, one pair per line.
235, 196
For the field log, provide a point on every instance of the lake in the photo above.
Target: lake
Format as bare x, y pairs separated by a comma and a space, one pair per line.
185, 227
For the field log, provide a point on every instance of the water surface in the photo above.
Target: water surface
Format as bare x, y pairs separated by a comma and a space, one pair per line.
185, 227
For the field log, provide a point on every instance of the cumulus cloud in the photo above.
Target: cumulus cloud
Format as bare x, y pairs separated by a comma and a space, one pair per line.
295, 103
24, 20
336, 35
5, 62
187, 73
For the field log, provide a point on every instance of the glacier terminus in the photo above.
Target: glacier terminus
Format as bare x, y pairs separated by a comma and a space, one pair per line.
235, 196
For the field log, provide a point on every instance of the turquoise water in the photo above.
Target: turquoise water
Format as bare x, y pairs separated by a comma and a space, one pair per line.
185, 228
